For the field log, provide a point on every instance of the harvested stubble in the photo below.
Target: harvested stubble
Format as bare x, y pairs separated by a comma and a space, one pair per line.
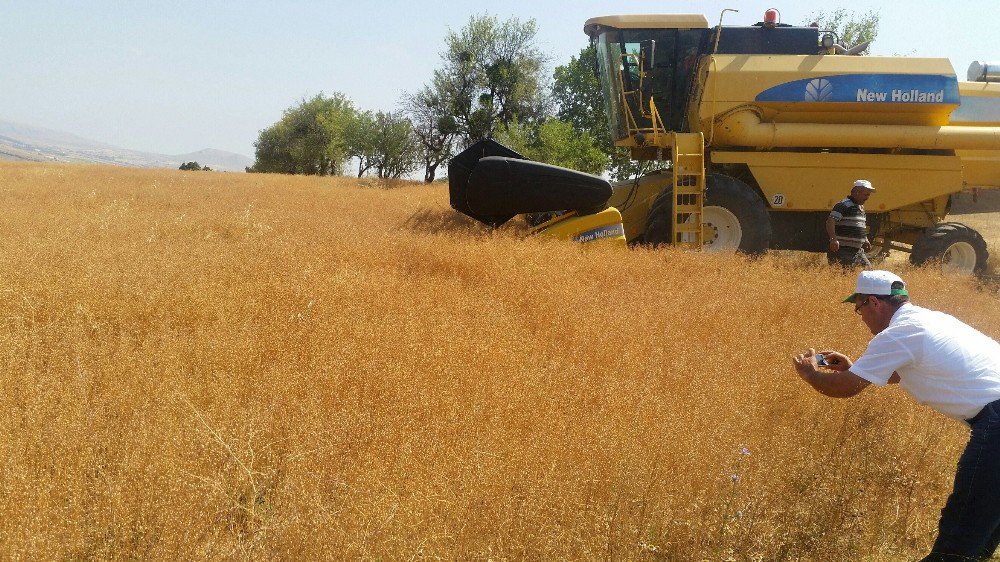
214, 366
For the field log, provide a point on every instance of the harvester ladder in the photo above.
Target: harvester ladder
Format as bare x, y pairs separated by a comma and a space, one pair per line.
688, 157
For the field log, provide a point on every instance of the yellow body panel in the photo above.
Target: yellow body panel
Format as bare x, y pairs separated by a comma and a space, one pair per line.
605, 226
817, 181
634, 198
918, 216
982, 167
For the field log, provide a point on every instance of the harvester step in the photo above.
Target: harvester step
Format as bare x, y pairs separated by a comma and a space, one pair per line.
692, 228
688, 209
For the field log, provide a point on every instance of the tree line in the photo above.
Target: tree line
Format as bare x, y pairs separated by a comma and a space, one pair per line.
491, 83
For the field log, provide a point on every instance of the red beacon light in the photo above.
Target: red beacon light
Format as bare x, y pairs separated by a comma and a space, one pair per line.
771, 17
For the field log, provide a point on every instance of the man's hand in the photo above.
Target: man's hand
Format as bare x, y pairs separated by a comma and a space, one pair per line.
834, 245
839, 384
805, 364
836, 361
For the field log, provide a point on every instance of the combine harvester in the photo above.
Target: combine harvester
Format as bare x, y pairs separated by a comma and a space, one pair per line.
766, 127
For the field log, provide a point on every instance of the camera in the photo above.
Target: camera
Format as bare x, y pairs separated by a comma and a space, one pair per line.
821, 360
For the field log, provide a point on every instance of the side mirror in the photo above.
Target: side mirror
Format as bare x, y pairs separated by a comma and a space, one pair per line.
647, 58
647, 55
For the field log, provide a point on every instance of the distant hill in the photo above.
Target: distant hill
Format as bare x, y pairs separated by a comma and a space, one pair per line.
37, 144
217, 159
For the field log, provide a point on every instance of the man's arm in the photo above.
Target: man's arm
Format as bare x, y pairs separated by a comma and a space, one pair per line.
831, 231
840, 383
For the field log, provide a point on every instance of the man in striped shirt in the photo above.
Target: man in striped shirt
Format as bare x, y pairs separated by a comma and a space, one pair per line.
848, 229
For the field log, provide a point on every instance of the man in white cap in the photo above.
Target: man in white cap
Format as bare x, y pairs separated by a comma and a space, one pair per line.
847, 228
951, 367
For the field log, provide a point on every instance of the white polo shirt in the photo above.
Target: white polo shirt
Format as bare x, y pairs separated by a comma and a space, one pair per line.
941, 361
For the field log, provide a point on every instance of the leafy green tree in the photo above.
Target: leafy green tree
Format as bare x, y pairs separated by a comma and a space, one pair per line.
555, 142
383, 143
434, 127
398, 152
491, 75
361, 140
559, 144
518, 138
272, 150
578, 95
851, 29
194, 166
309, 138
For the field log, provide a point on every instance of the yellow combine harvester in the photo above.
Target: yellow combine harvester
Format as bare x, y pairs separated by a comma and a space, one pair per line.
767, 126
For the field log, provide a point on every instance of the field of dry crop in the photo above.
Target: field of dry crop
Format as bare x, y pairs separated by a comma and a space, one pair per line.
228, 366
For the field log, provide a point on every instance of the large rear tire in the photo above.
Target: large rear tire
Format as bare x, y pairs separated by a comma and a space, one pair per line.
735, 218
959, 248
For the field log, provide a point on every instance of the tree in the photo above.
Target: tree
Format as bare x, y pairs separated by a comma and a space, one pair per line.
491, 75
578, 95
309, 138
361, 139
194, 166
397, 151
555, 142
434, 127
272, 150
851, 29
383, 143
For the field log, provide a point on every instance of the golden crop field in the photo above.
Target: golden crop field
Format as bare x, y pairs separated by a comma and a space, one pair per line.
229, 366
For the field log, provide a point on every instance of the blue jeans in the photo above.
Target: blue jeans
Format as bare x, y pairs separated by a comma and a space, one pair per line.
970, 521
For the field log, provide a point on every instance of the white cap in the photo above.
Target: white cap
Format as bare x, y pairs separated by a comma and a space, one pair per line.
876, 282
865, 184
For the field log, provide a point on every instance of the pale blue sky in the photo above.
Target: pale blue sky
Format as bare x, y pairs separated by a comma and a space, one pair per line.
178, 76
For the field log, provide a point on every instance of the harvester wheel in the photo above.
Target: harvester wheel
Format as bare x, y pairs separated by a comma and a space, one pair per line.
735, 218
959, 248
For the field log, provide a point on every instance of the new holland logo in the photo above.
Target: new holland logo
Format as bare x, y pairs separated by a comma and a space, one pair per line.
867, 88
819, 89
